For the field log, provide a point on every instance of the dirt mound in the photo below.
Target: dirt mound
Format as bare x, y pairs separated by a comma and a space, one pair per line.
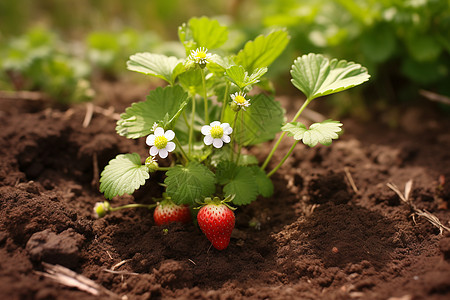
332, 230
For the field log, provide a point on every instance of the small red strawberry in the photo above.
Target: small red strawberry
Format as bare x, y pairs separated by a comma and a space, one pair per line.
167, 212
216, 220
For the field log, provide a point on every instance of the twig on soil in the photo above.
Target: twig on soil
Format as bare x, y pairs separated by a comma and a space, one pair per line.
69, 278
350, 180
119, 264
120, 272
107, 252
89, 114
435, 97
416, 211
91, 108
23, 95
107, 112
95, 178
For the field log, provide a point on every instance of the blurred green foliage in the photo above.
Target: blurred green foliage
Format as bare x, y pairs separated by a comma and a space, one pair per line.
400, 41
38, 60
405, 44
76, 18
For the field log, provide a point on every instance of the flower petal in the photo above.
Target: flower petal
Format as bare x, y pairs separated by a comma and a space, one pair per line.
217, 143
150, 140
163, 153
159, 131
153, 150
226, 138
170, 146
206, 130
227, 130
208, 140
169, 135
215, 123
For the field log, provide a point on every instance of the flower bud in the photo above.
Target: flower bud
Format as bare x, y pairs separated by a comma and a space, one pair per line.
101, 209
151, 164
235, 107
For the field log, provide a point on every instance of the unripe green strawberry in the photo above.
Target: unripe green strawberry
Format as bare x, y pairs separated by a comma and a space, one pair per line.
167, 212
216, 220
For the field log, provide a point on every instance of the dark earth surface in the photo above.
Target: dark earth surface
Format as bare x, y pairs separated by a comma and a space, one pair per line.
332, 230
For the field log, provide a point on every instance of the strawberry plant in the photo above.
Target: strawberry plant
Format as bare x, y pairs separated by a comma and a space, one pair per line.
209, 113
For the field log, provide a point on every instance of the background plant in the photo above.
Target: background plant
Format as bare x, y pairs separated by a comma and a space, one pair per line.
40, 61
404, 44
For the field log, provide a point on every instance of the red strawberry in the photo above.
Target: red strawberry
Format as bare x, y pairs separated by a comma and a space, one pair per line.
216, 220
167, 212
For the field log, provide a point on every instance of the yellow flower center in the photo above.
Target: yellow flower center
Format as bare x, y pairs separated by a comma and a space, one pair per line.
160, 142
216, 132
239, 99
200, 55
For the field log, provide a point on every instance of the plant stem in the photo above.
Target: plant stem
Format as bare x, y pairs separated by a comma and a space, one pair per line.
269, 157
177, 142
233, 137
205, 96
164, 168
134, 205
240, 137
191, 128
224, 104
186, 120
283, 160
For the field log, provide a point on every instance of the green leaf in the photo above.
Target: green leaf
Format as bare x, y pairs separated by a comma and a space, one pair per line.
262, 120
208, 33
225, 171
238, 181
263, 50
378, 43
191, 81
423, 47
239, 76
191, 183
247, 159
157, 65
224, 154
316, 76
424, 72
185, 37
123, 174
265, 185
161, 104
322, 133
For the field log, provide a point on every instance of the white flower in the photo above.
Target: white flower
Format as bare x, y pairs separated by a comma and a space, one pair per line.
200, 56
160, 142
217, 133
239, 99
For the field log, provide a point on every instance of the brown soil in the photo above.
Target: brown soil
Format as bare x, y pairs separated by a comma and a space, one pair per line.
316, 238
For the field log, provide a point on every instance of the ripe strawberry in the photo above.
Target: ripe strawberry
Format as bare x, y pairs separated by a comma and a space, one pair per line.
167, 212
216, 220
